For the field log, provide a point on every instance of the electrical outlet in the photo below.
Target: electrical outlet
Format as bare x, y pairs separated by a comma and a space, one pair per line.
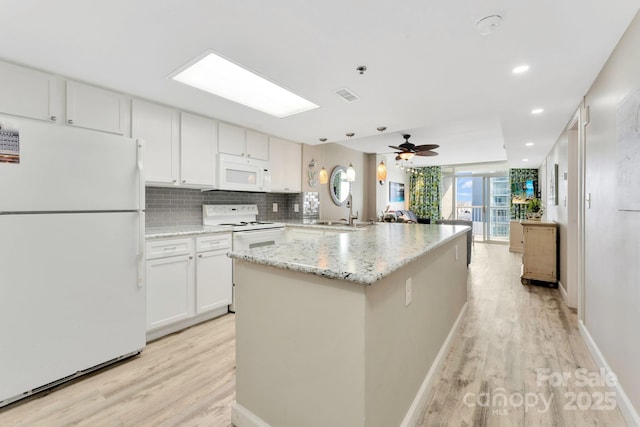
275, 207
408, 295
296, 207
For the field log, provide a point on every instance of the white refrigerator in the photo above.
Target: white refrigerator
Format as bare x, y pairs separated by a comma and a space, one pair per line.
71, 253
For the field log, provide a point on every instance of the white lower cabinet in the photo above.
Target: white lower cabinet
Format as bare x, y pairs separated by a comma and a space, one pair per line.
169, 290
188, 280
213, 277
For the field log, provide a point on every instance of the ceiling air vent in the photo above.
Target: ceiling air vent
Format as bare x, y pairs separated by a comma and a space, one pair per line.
347, 95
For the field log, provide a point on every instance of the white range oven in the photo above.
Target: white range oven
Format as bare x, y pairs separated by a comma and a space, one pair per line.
248, 232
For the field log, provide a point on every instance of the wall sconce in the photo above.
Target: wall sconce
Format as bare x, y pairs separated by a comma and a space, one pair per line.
311, 173
323, 176
351, 173
381, 173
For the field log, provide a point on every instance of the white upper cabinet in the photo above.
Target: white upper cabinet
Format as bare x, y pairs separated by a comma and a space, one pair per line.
158, 126
257, 145
198, 144
28, 93
231, 139
95, 108
242, 142
286, 165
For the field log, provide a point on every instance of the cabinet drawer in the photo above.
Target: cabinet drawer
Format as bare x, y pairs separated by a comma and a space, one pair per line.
214, 242
166, 248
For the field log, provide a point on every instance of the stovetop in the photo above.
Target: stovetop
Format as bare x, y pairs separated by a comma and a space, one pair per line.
240, 217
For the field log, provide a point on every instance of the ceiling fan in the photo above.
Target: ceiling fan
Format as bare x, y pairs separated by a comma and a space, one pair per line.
408, 150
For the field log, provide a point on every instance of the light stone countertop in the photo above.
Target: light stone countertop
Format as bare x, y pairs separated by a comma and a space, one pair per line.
184, 230
364, 257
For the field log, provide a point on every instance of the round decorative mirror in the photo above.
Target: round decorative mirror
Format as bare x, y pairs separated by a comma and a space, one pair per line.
339, 187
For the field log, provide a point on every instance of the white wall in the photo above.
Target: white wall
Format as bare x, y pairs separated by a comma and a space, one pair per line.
612, 241
557, 213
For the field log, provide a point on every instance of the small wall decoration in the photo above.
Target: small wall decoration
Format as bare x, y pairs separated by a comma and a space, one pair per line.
396, 192
553, 185
9, 144
628, 152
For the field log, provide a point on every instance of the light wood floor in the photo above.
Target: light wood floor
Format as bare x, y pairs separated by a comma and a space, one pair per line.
188, 379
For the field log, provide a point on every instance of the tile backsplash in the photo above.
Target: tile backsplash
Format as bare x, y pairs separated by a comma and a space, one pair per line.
166, 207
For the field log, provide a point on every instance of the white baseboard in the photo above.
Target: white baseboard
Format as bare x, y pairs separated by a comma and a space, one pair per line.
563, 292
415, 410
242, 417
629, 413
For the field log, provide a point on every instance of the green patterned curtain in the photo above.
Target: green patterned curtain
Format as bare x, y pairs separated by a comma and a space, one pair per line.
424, 191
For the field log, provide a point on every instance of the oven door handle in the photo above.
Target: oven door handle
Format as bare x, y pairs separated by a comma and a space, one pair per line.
258, 233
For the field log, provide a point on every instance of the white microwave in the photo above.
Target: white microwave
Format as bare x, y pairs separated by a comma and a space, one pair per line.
238, 173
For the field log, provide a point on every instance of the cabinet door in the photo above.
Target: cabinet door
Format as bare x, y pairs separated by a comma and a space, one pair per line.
197, 151
539, 258
213, 281
158, 127
231, 139
169, 290
257, 145
278, 164
95, 108
28, 93
293, 167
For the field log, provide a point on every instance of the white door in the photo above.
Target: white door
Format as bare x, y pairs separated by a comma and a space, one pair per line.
69, 295
257, 145
62, 168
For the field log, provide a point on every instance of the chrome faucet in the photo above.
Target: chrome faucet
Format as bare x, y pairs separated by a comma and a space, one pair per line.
351, 215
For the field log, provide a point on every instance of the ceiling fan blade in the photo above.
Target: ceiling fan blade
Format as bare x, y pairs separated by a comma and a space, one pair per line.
426, 147
426, 153
396, 148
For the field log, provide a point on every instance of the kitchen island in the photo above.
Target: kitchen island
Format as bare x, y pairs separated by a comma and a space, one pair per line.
346, 330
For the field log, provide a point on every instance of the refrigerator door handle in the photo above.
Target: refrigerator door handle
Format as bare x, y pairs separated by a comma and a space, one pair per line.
141, 215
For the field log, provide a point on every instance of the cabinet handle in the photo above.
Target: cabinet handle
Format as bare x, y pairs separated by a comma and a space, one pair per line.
199, 255
70, 121
248, 155
184, 181
172, 248
242, 154
53, 118
174, 181
190, 257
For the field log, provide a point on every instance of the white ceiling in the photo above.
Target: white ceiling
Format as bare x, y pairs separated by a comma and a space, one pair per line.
429, 73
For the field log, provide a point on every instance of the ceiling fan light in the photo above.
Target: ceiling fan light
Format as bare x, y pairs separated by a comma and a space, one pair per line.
406, 155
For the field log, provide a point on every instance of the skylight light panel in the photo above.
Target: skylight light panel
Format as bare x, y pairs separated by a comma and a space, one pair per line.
226, 79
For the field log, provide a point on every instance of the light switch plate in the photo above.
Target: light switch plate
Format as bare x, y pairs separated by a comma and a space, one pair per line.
275, 207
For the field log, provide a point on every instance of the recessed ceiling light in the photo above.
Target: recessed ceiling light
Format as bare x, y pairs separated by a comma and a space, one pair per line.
530, 144
520, 69
525, 160
219, 76
537, 111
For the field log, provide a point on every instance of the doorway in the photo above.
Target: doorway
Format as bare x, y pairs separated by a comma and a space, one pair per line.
484, 199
